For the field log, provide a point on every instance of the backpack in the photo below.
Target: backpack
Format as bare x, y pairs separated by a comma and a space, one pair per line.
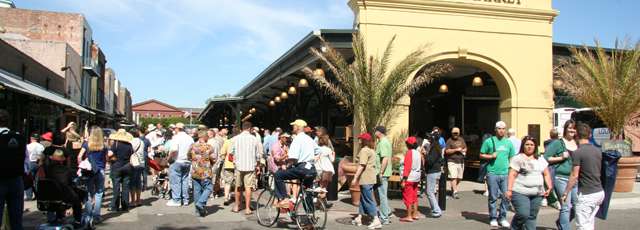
13, 148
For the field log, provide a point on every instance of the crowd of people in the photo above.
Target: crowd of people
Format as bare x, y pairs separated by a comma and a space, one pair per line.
200, 163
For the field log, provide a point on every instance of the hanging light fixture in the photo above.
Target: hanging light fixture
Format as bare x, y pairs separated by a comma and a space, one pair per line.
318, 72
292, 90
303, 83
252, 110
284, 95
272, 103
277, 99
340, 103
443, 88
477, 81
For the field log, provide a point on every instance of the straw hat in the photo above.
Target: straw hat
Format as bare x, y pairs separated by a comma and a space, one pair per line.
121, 135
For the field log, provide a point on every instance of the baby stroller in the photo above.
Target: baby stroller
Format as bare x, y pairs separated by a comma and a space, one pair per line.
51, 200
161, 182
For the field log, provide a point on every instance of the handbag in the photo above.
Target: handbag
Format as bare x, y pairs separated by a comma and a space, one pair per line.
134, 160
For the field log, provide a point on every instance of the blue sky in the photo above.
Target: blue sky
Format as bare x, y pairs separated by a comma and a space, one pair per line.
182, 52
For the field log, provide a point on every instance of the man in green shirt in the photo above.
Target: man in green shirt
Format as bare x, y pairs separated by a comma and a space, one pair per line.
498, 150
383, 162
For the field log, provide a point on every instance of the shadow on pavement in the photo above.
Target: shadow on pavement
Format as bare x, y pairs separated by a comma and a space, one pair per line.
483, 218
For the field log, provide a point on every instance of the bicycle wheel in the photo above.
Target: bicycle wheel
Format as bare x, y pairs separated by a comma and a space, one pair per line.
266, 209
310, 214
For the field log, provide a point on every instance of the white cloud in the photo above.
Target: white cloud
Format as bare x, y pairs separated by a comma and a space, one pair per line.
257, 28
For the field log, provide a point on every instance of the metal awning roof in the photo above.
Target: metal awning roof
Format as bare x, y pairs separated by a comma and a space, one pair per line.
12, 81
216, 101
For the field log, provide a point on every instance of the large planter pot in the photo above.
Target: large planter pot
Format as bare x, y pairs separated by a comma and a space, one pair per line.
627, 169
350, 170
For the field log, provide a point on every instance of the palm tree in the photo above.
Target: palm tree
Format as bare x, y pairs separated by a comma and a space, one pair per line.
367, 86
606, 80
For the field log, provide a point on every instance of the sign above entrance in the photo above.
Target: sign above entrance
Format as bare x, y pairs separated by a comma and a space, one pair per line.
513, 2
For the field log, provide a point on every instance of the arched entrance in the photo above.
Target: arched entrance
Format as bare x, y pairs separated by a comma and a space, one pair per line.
471, 97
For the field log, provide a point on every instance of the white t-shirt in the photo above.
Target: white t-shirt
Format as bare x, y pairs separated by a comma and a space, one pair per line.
530, 178
181, 143
35, 150
415, 173
325, 163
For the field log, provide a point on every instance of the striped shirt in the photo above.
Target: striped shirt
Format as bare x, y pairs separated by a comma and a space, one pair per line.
246, 152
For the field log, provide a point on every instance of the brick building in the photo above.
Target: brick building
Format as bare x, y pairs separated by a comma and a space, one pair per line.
154, 108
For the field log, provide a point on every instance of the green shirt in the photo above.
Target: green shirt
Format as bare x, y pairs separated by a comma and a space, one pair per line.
504, 150
555, 149
383, 149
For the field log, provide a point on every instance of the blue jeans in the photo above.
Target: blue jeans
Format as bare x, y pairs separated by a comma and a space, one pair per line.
93, 203
432, 180
12, 194
526, 208
293, 173
202, 188
566, 210
120, 180
367, 201
497, 185
385, 211
33, 169
179, 181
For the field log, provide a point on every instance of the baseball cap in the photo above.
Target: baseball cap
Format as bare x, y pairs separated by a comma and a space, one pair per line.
48, 136
501, 125
35, 136
180, 125
365, 136
299, 122
455, 130
411, 140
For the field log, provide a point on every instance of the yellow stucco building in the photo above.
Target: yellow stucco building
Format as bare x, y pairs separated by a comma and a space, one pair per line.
510, 40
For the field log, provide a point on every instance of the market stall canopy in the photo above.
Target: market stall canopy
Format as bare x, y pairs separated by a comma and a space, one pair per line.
14, 82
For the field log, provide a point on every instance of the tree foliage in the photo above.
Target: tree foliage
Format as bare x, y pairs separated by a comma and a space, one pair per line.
606, 80
368, 86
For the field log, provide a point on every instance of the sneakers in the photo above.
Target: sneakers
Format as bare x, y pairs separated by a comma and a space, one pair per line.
357, 221
173, 203
319, 190
455, 195
544, 203
375, 224
486, 193
493, 223
505, 223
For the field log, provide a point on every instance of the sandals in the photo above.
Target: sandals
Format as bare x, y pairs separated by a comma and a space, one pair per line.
406, 219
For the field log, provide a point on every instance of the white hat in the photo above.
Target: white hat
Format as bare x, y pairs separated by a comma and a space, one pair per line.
501, 125
180, 125
151, 127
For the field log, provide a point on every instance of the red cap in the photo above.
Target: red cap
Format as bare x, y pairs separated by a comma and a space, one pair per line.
48, 136
411, 140
365, 136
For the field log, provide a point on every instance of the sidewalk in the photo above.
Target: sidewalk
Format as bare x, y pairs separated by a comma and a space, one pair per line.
469, 212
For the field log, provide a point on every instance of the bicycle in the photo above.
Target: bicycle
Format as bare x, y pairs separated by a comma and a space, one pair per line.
306, 215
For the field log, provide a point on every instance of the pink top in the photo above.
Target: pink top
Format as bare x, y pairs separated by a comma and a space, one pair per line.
277, 151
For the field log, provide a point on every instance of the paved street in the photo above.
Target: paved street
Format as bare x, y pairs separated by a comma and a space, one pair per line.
469, 212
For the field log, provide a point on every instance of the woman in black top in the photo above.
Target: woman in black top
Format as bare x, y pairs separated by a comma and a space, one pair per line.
120, 153
433, 169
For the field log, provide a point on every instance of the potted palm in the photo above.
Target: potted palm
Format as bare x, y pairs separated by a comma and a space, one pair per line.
608, 81
369, 88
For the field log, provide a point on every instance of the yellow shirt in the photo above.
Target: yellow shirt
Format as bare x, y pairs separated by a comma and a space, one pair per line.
226, 149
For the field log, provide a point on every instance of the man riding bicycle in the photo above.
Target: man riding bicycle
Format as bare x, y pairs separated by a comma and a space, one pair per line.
301, 158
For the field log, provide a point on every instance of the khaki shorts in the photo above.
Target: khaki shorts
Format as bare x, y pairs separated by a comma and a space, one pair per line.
456, 170
228, 176
245, 179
